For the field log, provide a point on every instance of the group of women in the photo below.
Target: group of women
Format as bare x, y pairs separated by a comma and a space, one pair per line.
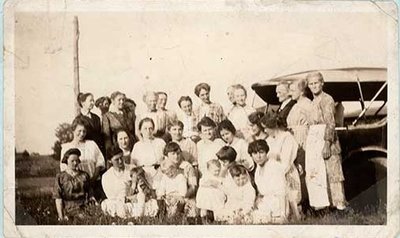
242, 166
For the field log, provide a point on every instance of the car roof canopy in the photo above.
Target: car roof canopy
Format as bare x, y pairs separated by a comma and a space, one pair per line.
341, 84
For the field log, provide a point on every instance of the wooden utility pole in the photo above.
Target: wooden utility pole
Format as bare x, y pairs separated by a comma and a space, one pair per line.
76, 64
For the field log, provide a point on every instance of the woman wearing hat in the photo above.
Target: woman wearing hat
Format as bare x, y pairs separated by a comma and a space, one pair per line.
71, 188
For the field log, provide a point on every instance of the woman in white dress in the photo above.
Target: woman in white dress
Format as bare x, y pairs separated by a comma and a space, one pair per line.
239, 113
270, 179
92, 160
148, 152
283, 145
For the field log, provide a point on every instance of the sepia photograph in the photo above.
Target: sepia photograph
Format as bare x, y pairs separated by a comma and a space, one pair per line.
201, 116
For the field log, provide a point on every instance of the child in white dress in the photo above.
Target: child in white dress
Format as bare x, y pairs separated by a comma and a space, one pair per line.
172, 188
270, 179
210, 196
240, 196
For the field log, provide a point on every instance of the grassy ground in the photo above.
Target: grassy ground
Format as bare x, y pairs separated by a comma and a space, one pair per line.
35, 206
40, 209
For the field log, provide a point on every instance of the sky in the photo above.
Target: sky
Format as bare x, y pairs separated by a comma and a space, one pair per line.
173, 51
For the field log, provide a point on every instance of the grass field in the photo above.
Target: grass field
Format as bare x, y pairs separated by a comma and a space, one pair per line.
35, 206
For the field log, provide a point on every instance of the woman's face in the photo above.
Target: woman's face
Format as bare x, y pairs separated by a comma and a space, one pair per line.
151, 102
73, 162
295, 92
105, 106
227, 136
175, 156
186, 107
123, 140
260, 157
119, 101
315, 84
207, 132
241, 180
88, 103
117, 161
254, 129
147, 130
240, 97
204, 95
80, 132
162, 101
176, 132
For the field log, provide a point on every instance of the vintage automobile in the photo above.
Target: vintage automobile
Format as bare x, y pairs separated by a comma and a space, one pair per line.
360, 96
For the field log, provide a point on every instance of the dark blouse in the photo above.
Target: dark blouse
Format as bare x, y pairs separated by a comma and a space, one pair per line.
73, 190
112, 122
93, 130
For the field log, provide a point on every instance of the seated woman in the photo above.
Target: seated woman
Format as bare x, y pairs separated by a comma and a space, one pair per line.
92, 160
283, 145
148, 152
116, 183
228, 135
71, 189
269, 177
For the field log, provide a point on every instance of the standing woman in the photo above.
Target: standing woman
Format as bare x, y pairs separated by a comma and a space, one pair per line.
149, 151
93, 130
283, 147
256, 131
207, 108
115, 119
240, 112
91, 158
324, 173
298, 122
71, 188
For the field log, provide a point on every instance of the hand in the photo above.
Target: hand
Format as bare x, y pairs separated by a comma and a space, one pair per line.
326, 151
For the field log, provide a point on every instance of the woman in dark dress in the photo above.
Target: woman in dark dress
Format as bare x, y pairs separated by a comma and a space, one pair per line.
71, 188
115, 119
92, 121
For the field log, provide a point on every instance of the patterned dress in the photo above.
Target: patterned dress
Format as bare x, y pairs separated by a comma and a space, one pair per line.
323, 113
212, 110
73, 190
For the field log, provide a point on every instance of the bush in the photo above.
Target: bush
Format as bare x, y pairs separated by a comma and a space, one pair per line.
64, 135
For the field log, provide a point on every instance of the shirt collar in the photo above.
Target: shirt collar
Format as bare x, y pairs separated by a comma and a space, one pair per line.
286, 102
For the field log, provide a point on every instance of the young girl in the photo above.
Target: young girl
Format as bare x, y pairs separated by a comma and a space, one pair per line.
240, 195
172, 188
208, 146
141, 195
226, 156
271, 203
210, 196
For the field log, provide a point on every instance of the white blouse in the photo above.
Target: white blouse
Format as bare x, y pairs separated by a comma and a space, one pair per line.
207, 151
241, 148
116, 184
169, 186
